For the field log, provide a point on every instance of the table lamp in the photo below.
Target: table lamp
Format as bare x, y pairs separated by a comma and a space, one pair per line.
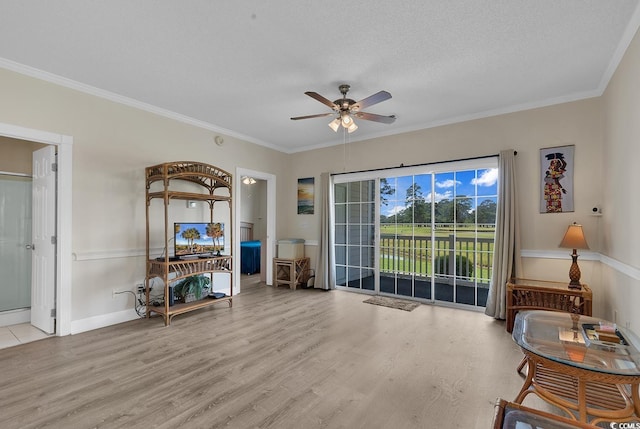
574, 239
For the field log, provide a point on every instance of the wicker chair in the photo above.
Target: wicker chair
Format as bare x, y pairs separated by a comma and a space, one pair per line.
509, 414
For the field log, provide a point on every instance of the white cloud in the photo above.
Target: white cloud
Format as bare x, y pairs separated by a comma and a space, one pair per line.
447, 184
393, 210
488, 178
440, 196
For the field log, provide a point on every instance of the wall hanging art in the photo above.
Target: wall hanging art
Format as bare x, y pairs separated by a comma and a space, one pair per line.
556, 172
306, 195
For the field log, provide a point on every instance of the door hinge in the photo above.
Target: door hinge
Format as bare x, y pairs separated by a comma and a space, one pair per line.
54, 239
53, 312
54, 166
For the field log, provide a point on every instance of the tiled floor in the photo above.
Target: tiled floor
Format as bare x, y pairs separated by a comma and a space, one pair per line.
19, 334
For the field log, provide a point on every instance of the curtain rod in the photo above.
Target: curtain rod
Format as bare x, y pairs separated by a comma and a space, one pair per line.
419, 165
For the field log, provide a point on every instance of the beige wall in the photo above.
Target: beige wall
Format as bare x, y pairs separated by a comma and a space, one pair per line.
621, 177
578, 123
16, 155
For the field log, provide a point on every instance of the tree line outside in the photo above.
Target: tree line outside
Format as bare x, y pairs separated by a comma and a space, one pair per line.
456, 216
417, 210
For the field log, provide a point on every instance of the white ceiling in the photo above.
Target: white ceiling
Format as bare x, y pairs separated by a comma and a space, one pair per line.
241, 68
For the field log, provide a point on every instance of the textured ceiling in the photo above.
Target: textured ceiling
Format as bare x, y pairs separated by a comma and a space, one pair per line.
241, 67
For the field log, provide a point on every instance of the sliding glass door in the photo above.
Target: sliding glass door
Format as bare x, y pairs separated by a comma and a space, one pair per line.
354, 210
405, 236
432, 238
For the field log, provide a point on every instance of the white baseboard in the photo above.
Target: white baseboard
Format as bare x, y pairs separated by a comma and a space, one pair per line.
102, 321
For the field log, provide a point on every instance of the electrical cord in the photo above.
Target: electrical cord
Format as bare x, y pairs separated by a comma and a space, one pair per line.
139, 305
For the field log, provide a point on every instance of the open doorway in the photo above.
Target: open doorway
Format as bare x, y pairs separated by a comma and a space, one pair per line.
255, 204
62, 281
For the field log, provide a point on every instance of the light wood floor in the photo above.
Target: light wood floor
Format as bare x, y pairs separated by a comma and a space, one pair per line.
276, 359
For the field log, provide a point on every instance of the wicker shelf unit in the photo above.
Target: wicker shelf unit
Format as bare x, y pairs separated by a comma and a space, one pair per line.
162, 184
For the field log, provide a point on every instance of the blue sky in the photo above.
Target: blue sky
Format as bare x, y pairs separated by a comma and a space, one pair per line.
202, 228
447, 186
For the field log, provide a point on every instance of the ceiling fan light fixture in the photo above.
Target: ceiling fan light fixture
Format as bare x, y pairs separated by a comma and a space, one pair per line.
346, 120
346, 108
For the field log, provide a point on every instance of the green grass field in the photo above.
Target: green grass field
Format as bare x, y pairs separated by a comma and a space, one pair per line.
409, 249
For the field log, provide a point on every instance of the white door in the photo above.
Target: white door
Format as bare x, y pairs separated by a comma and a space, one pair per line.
43, 235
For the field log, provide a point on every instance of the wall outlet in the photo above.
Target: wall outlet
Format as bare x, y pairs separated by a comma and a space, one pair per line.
139, 288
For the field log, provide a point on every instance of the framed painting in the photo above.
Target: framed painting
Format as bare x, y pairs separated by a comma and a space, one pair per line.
556, 184
306, 195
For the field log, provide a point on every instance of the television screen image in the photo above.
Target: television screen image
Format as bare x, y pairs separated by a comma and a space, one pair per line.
198, 238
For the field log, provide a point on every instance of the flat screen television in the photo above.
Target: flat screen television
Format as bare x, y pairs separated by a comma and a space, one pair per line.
198, 238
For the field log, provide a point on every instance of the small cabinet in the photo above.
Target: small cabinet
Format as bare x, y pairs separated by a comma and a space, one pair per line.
290, 272
165, 183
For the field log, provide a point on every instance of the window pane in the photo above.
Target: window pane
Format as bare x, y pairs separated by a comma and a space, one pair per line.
341, 255
445, 185
354, 234
367, 236
340, 193
353, 256
487, 182
367, 191
464, 210
367, 256
368, 279
354, 212
486, 210
353, 194
354, 277
341, 275
465, 183
340, 213
341, 234
367, 212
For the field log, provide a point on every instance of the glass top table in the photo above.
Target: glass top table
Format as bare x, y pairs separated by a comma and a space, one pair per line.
574, 361
577, 340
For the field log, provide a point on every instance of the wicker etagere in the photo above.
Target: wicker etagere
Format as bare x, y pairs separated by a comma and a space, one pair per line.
216, 186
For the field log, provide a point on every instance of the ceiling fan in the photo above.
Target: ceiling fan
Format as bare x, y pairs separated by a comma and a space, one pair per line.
345, 109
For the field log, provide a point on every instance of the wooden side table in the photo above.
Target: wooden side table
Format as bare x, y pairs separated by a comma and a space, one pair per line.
527, 294
290, 272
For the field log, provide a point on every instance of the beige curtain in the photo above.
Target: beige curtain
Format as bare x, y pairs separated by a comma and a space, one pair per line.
324, 270
506, 257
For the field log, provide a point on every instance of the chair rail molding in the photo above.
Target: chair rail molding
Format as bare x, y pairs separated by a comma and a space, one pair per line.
621, 267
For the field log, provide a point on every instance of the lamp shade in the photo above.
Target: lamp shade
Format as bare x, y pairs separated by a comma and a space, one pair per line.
574, 238
346, 120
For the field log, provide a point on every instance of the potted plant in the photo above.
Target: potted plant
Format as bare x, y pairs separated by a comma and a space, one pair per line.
191, 288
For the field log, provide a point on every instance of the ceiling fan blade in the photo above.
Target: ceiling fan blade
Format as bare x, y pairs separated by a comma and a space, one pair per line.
319, 115
323, 100
376, 118
371, 100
